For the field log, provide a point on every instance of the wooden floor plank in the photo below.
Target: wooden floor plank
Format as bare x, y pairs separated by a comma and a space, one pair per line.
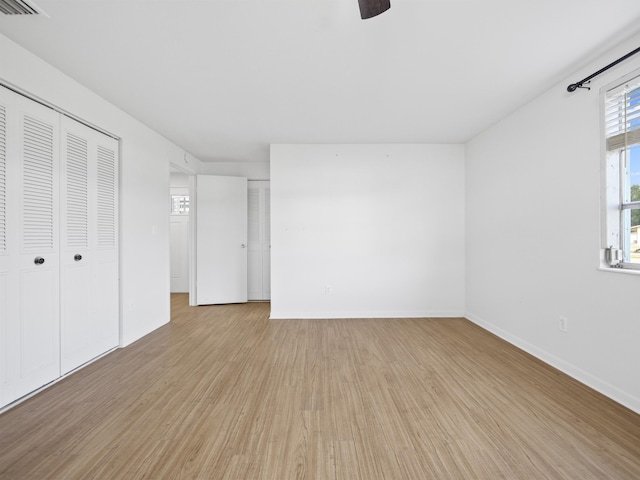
222, 392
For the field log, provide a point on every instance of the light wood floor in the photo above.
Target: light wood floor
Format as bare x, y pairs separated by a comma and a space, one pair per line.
224, 393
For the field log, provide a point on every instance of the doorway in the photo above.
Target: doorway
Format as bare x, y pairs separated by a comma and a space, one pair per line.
179, 232
182, 230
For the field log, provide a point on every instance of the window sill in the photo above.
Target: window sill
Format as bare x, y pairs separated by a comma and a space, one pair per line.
628, 271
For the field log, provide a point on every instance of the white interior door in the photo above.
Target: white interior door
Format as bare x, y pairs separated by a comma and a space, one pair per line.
221, 240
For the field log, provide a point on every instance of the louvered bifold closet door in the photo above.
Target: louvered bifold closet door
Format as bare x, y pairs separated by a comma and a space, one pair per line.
254, 243
89, 258
4, 254
29, 289
259, 241
266, 241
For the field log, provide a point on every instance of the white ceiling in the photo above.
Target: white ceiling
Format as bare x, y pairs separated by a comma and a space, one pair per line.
225, 78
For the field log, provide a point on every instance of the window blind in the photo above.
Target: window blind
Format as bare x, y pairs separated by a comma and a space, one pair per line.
622, 115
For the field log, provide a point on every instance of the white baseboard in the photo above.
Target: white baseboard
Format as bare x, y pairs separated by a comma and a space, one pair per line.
276, 315
614, 393
17, 402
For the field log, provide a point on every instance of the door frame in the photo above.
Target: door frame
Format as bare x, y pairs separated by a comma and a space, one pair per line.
191, 244
193, 208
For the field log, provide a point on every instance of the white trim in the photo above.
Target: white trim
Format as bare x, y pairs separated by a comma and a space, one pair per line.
627, 270
53, 382
620, 81
193, 230
587, 379
338, 315
611, 184
55, 108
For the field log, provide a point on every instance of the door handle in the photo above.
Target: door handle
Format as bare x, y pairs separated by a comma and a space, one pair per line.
77, 257
243, 246
38, 260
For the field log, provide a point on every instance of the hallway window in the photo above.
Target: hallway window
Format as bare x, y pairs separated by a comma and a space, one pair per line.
179, 204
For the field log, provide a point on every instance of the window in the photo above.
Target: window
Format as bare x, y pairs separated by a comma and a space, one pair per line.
179, 204
622, 171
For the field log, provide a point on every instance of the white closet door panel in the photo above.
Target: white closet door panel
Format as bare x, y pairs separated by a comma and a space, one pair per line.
4, 300
39, 319
39, 338
266, 243
3, 180
107, 194
254, 243
106, 271
75, 182
4, 267
76, 286
76, 304
10, 352
89, 324
9, 227
259, 241
89, 288
106, 313
34, 328
39, 156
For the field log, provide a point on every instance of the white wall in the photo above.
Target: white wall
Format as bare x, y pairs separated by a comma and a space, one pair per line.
179, 183
533, 238
144, 186
381, 225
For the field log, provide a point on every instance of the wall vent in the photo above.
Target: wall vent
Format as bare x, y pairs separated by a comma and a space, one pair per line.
19, 7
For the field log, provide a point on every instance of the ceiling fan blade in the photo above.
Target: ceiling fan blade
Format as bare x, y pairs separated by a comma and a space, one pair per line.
371, 8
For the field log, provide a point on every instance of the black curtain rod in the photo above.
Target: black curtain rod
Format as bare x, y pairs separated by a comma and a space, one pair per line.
574, 86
